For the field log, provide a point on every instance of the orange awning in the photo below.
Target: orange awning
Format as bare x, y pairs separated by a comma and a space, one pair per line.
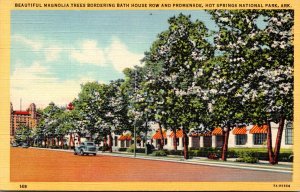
217, 131
239, 131
179, 133
259, 129
124, 137
157, 135
206, 134
200, 134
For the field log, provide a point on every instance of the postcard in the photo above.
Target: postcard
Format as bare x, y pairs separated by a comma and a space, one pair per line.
139, 95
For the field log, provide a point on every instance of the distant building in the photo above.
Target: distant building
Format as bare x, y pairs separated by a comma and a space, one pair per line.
29, 118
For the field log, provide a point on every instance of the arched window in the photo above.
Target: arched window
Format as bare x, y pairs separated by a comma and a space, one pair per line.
289, 133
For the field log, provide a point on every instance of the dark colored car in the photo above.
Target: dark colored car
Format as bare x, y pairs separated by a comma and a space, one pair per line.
86, 148
25, 145
15, 145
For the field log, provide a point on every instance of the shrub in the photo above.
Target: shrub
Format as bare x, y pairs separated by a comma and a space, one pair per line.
247, 156
122, 149
194, 148
159, 153
213, 156
137, 150
175, 152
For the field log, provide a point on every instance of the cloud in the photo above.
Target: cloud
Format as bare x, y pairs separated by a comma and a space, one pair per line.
52, 53
36, 84
116, 54
120, 57
35, 45
89, 53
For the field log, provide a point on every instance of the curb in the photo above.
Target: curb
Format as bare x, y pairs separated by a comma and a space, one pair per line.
230, 164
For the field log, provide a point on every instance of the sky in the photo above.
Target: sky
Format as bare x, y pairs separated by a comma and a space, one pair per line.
54, 52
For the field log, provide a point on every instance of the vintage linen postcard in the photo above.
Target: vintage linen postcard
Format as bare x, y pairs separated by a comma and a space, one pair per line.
154, 95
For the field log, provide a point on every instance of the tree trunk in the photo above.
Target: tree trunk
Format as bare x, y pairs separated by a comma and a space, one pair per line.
225, 143
269, 143
79, 138
48, 142
174, 140
110, 142
185, 145
161, 147
62, 142
278, 139
70, 141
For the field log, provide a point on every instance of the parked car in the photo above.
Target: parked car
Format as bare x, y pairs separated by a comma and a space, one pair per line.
15, 145
86, 148
25, 145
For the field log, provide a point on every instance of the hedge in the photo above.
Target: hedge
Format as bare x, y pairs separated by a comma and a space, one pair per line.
260, 154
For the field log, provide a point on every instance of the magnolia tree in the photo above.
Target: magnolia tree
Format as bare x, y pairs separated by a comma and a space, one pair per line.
254, 82
89, 104
139, 113
49, 123
182, 50
116, 110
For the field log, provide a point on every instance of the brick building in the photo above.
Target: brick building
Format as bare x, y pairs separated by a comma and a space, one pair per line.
29, 118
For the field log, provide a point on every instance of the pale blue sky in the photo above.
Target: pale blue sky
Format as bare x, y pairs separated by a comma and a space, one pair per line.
53, 52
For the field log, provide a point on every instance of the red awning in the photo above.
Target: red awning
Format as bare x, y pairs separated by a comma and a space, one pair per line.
239, 131
259, 129
217, 131
157, 135
179, 133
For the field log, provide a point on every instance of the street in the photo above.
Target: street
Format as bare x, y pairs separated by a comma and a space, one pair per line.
37, 165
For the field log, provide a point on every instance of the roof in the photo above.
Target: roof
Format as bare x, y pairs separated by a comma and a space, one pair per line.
217, 131
21, 113
157, 135
179, 133
239, 131
259, 129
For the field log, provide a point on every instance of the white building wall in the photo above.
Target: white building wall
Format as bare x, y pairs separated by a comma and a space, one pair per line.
250, 138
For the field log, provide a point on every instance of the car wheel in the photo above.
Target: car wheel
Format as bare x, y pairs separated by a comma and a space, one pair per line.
75, 153
81, 153
94, 154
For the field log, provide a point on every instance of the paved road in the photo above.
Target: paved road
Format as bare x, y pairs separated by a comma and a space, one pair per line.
35, 165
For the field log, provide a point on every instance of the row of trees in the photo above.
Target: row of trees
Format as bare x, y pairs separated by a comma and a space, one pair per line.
193, 78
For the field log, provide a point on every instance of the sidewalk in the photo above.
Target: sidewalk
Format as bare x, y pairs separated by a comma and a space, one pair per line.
282, 167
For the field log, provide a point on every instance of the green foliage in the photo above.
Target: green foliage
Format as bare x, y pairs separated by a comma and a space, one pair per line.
175, 152
247, 157
137, 150
23, 134
122, 149
159, 153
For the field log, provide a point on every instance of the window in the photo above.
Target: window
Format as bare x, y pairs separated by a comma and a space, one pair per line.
207, 141
219, 141
260, 138
241, 139
289, 133
177, 141
166, 141
116, 141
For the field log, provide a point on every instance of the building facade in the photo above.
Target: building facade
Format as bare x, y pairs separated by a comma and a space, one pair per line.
28, 118
252, 136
